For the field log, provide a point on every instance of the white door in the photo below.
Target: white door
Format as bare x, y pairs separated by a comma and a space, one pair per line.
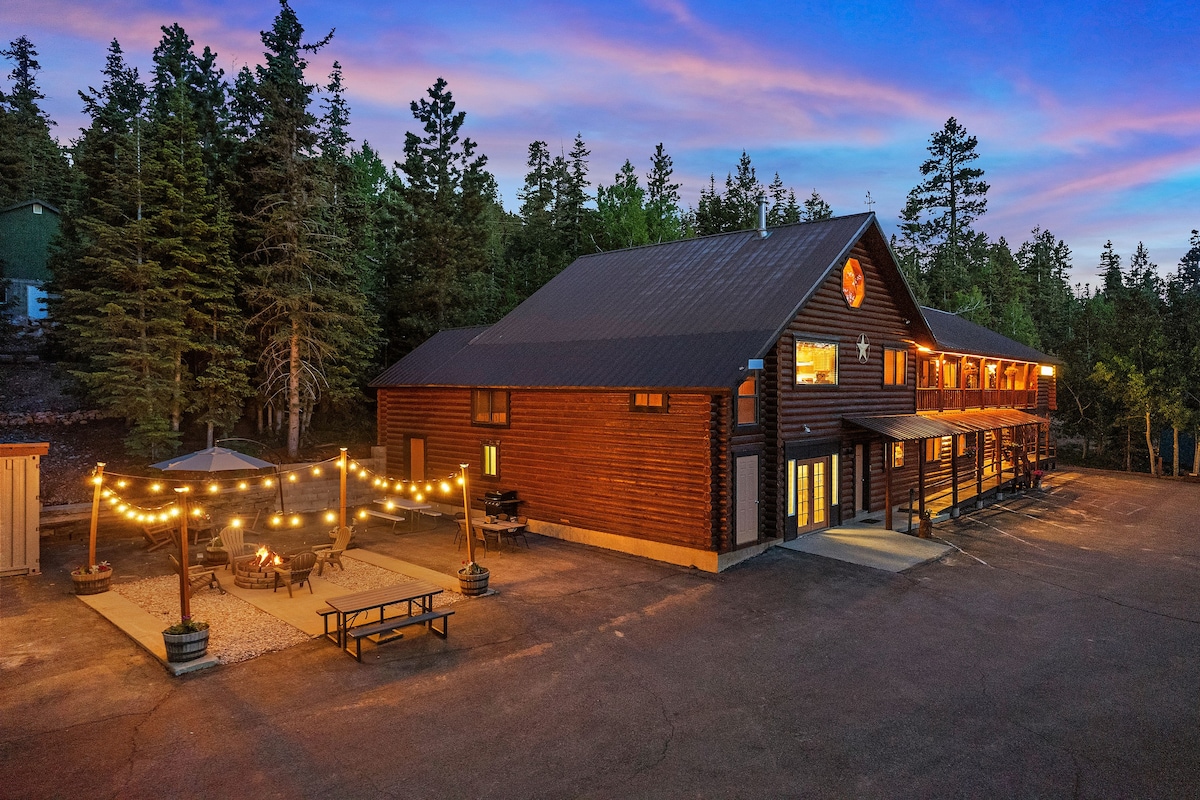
747, 499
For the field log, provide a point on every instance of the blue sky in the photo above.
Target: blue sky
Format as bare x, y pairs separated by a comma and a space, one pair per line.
1087, 114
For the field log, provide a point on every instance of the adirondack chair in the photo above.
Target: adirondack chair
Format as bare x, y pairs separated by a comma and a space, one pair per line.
159, 534
332, 553
236, 545
198, 576
296, 571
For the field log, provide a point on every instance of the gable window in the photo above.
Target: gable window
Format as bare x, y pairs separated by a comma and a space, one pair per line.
747, 401
816, 363
490, 460
651, 402
489, 407
895, 366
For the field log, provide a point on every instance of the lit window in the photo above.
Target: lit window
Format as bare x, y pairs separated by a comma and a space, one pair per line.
747, 401
491, 459
816, 363
897, 454
895, 366
652, 402
489, 407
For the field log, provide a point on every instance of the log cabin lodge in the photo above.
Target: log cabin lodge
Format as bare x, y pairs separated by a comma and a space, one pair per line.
701, 400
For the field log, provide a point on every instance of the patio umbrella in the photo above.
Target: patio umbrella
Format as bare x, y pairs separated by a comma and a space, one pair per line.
214, 459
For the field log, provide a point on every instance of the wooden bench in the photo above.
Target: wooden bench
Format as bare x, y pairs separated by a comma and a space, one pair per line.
394, 624
395, 519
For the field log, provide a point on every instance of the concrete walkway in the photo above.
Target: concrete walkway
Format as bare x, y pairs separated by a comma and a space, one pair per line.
299, 610
870, 546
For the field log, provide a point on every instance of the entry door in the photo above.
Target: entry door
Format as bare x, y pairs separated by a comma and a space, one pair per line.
810, 502
416, 459
862, 478
747, 499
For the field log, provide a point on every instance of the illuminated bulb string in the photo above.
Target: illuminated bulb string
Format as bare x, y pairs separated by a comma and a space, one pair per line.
135, 512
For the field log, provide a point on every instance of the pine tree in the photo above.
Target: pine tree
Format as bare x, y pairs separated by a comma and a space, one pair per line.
440, 267
663, 218
309, 310
953, 195
815, 208
117, 308
32, 165
742, 193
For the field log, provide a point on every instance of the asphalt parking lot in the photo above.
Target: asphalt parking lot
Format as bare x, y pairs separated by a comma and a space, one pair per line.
1054, 654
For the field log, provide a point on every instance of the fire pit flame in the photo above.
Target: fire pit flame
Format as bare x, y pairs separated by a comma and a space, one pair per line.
265, 557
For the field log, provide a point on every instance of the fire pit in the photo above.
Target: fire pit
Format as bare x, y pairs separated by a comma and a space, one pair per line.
258, 571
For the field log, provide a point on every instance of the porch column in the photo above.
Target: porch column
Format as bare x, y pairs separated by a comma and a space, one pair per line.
954, 475
921, 480
980, 438
888, 455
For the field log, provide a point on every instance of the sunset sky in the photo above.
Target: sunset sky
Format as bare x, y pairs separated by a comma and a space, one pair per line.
1087, 114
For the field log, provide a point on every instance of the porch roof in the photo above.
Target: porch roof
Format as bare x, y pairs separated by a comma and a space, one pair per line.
908, 427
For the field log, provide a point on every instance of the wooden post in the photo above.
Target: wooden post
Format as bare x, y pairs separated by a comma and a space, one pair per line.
467, 511
921, 480
342, 493
889, 454
97, 488
185, 605
954, 475
980, 438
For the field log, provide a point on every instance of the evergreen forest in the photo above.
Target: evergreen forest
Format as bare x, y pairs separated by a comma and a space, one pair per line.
229, 253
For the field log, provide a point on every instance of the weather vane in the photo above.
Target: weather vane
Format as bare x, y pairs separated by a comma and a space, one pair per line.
870, 202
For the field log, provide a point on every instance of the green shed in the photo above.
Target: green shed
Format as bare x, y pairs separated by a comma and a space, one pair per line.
26, 230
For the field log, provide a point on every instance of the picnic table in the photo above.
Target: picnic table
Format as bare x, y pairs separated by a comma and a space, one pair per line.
417, 596
414, 508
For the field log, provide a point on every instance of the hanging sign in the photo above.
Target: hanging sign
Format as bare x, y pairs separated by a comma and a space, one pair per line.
853, 284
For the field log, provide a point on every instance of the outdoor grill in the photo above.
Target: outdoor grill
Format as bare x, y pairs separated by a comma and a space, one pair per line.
501, 501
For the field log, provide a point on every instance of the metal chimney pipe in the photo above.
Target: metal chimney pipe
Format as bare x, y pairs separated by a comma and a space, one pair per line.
762, 217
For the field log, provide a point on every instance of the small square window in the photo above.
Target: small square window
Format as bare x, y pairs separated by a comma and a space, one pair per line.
816, 363
650, 402
489, 407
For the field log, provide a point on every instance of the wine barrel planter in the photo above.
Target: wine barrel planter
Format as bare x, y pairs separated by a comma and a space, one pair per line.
215, 555
186, 646
92, 582
473, 585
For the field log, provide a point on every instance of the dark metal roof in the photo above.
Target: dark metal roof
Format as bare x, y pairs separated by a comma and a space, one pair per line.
674, 315
907, 427
436, 351
957, 335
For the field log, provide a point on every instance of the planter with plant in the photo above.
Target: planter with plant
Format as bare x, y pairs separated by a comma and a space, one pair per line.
215, 552
186, 641
473, 579
92, 579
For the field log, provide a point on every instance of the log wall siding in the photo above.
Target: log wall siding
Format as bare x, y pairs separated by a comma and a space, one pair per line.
721, 420
577, 457
860, 388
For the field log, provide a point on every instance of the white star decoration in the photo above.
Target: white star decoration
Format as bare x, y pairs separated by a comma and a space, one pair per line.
864, 348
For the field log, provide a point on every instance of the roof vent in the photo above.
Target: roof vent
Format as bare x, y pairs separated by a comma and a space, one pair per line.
762, 217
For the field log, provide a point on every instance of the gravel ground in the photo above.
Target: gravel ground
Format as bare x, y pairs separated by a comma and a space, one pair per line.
239, 631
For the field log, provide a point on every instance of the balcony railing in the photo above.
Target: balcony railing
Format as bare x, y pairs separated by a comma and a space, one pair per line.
964, 399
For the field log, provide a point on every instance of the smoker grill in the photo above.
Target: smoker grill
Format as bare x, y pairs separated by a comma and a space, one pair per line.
501, 501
